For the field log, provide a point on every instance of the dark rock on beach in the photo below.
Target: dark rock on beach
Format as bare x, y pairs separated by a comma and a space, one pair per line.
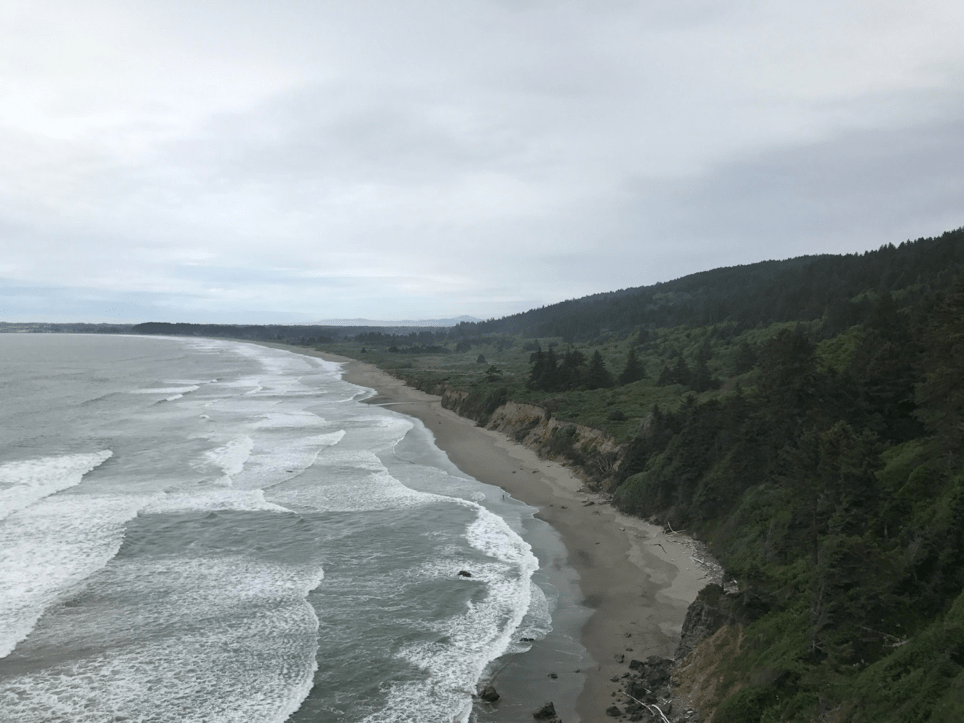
650, 681
546, 712
489, 694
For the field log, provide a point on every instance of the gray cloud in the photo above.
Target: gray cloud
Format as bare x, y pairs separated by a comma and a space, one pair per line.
204, 161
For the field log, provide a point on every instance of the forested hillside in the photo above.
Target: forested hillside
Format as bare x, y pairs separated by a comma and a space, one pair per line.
805, 419
833, 289
833, 491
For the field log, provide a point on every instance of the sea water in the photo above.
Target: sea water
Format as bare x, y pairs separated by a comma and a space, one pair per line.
202, 530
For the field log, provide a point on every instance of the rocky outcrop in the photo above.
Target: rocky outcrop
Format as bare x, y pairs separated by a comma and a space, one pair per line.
648, 689
674, 690
705, 615
489, 694
546, 713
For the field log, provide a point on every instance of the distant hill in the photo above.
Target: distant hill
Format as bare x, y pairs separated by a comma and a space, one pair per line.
804, 419
408, 324
829, 287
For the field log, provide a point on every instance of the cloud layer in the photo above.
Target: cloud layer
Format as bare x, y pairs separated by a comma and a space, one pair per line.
254, 161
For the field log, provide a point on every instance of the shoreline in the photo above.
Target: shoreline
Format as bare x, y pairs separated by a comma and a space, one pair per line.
637, 579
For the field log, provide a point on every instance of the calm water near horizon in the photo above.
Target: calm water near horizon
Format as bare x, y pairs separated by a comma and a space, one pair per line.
202, 530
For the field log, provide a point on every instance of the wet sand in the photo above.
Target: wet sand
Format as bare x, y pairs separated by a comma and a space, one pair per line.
636, 578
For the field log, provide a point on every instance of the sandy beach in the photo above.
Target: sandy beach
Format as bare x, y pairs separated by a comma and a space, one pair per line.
636, 578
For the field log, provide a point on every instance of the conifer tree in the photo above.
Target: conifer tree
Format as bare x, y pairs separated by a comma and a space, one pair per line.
702, 379
676, 374
597, 376
571, 370
939, 396
745, 359
538, 361
634, 371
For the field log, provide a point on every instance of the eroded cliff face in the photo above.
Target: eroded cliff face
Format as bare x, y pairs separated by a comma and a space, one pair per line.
590, 451
685, 689
688, 687
534, 427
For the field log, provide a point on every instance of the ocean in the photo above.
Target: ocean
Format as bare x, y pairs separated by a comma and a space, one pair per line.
205, 530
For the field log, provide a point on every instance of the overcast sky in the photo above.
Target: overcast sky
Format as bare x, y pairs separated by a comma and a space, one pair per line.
290, 161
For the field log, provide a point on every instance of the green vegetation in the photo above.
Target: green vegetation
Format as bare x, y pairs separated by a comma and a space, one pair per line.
805, 418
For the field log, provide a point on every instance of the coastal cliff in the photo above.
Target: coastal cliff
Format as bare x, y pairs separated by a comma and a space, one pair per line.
591, 452
803, 418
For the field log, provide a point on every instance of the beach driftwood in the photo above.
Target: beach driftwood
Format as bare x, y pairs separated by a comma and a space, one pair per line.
652, 708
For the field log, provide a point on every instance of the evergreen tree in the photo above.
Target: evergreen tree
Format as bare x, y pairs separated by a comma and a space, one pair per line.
549, 379
745, 359
884, 373
702, 379
597, 376
538, 361
634, 371
571, 371
940, 395
679, 373
788, 380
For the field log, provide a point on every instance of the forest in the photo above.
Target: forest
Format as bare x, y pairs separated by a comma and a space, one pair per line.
806, 420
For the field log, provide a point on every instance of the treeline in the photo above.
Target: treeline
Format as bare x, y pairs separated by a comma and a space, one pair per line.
418, 349
302, 334
834, 495
63, 328
422, 338
807, 288
297, 334
573, 371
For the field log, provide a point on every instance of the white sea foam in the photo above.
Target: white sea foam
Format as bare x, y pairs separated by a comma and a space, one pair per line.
213, 500
50, 546
24, 483
253, 384
370, 492
493, 536
276, 458
180, 391
299, 420
472, 639
231, 457
156, 635
537, 622
221, 640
